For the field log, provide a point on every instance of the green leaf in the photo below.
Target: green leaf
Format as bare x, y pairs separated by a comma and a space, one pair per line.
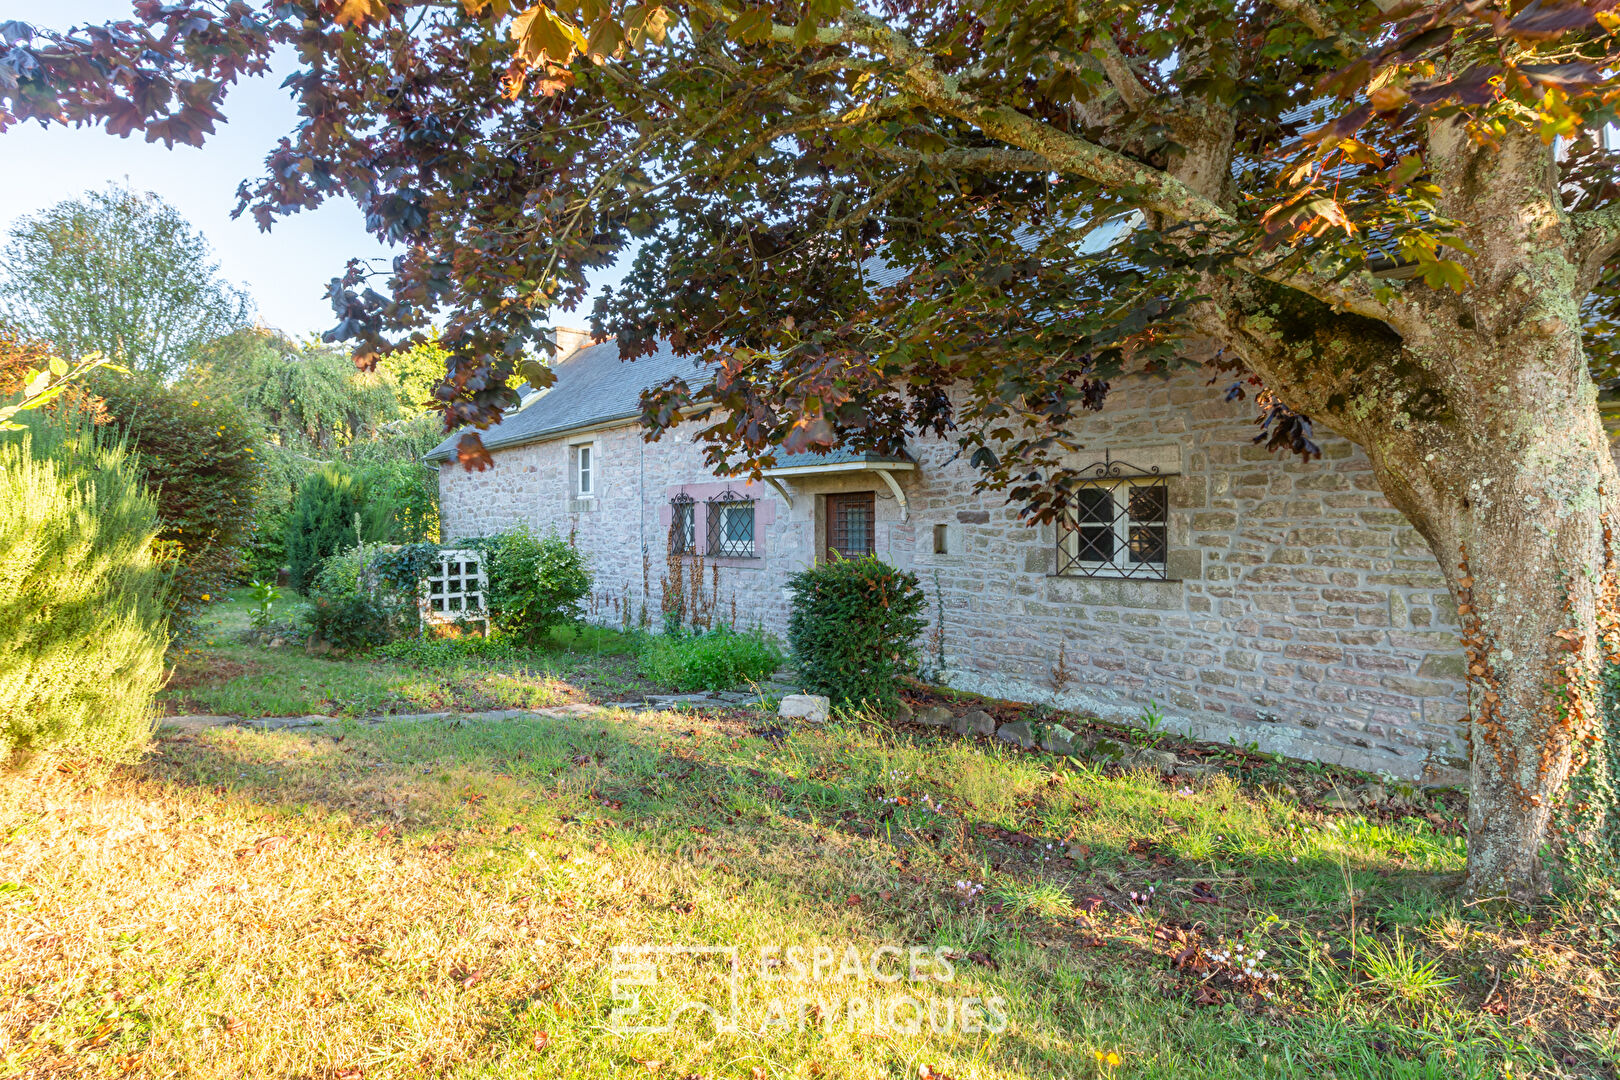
804, 33
752, 27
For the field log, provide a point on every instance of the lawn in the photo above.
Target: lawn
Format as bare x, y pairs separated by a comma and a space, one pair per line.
220, 672
444, 898
472, 898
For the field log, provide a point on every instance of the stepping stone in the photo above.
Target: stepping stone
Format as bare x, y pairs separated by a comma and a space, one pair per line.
195, 722
569, 712
811, 708
278, 723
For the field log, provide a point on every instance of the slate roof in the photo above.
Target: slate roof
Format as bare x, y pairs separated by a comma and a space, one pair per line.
835, 457
594, 386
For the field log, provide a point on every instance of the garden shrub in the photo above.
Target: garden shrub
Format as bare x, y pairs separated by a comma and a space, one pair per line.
199, 456
348, 620
82, 595
446, 652
352, 606
717, 660
322, 522
536, 583
402, 502
853, 628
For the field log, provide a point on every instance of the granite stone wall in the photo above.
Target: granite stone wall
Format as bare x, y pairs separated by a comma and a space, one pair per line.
1302, 614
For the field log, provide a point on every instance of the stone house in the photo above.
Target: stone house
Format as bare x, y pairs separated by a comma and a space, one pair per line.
1245, 595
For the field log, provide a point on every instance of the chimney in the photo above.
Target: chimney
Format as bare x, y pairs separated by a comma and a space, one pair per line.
569, 342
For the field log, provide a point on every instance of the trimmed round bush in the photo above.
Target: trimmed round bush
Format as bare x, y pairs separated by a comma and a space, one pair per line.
853, 629
83, 625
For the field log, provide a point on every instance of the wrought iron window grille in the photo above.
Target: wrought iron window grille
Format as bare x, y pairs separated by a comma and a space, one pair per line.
682, 525
1117, 523
731, 526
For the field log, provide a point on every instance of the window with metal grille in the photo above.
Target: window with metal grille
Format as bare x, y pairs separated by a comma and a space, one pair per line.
682, 525
1117, 524
731, 526
850, 517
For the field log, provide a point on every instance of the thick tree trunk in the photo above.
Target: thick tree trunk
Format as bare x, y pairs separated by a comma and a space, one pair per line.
1482, 427
1515, 509
1489, 440
1481, 421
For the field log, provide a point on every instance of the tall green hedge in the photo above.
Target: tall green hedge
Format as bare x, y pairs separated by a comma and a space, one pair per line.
322, 522
853, 629
82, 596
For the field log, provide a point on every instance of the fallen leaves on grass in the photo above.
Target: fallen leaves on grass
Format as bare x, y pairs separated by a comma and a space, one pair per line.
262, 845
541, 1040
467, 977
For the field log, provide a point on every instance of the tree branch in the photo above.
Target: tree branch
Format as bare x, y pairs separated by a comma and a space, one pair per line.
968, 159
1597, 240
1315, 19
1118, 69
1151, 189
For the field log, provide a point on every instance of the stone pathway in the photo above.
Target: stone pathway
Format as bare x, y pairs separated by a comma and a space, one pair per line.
199, 722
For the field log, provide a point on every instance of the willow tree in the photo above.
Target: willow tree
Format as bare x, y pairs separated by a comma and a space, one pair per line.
973, 217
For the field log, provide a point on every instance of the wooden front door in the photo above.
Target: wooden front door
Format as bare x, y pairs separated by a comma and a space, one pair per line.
849, 525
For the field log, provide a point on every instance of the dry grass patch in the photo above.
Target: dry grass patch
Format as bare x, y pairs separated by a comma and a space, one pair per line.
444, 899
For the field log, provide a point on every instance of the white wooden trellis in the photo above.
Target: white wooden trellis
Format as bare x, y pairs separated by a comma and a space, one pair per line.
453, 590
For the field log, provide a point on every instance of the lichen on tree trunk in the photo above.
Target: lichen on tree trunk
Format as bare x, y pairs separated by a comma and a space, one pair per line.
1508, 475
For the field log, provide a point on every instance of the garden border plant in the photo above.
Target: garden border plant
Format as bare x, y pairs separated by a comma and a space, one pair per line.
718, 659
853, 629
83, 594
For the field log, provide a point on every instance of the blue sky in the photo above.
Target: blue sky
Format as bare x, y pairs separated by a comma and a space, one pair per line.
286, 269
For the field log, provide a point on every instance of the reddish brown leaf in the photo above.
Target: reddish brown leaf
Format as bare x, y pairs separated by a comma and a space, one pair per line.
472, 455
262, 845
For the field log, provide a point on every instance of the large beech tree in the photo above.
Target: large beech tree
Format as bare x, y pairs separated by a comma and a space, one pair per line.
972, 216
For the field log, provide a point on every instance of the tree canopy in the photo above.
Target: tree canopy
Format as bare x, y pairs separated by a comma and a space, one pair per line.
120, 273
972, 218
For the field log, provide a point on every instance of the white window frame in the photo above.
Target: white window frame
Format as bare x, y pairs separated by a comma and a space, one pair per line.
585, 470
1122, 565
